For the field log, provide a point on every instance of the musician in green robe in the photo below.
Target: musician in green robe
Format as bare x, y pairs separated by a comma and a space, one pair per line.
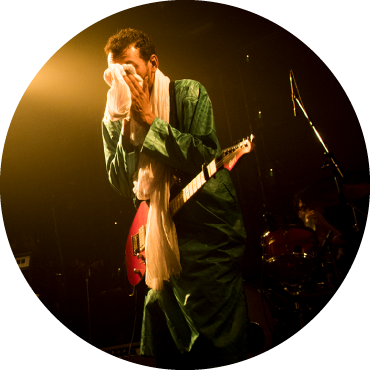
198, 319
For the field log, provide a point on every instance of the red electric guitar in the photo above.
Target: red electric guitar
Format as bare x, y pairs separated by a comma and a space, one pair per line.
135, 245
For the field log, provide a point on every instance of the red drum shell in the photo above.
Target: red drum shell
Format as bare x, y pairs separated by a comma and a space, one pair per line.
290, 253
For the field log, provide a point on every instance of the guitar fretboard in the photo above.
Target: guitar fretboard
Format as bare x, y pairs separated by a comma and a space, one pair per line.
192, 188
229, 157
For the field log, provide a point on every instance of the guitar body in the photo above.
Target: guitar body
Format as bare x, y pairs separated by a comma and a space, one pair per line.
135, 264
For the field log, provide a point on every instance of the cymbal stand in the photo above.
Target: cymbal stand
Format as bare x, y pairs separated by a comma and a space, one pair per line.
333, 164
327, 245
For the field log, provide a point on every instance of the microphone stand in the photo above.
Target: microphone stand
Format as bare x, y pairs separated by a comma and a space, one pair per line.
333, 164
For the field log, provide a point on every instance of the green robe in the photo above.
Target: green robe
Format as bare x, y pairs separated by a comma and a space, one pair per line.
202, 314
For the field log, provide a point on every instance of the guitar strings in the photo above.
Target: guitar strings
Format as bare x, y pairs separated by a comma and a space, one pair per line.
226, 158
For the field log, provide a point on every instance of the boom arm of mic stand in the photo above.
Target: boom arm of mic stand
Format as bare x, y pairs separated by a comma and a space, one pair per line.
327, 151
333, 164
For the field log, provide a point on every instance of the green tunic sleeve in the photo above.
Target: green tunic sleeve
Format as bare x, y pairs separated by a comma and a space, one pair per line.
120, 163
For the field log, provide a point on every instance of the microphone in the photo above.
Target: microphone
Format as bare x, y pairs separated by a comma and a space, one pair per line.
292, 91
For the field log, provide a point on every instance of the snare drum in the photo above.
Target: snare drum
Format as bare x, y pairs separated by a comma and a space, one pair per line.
290, 253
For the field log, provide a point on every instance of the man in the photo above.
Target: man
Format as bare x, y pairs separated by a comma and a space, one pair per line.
197, 317
312, 216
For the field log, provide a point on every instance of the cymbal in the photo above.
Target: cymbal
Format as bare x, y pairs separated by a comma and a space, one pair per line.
355, 185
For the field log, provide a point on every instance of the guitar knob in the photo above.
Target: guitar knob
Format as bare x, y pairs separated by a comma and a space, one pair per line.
140, 256
138, 272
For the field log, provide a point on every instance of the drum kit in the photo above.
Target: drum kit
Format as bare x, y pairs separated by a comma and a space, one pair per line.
301, 271
291, 253
303, 264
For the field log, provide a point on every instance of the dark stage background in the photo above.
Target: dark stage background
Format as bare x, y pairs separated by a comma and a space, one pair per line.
55, 196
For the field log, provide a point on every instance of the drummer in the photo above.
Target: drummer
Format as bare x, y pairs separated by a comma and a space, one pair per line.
312, 216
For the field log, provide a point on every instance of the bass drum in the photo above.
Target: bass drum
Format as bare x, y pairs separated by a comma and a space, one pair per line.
261, 319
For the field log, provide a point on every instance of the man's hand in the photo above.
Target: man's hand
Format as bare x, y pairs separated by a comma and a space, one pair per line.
140, 106
320, 221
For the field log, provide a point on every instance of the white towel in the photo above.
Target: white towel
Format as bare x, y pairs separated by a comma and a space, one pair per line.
119, 99
153, 179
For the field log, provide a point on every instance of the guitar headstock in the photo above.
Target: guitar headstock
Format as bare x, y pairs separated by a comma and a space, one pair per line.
240, 145
231, 155
247, 143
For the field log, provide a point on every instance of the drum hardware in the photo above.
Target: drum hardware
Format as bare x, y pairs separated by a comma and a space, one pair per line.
346, 193
260, 312
328, 244
293, 290
289, 312
292, 256
289, 254
299, 312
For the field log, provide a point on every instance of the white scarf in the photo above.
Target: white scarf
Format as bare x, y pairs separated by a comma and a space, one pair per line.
153, 179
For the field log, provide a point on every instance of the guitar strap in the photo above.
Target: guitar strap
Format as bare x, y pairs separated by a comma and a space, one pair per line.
181, 178
174, 120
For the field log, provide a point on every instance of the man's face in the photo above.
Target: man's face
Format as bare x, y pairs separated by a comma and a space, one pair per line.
131, 55
302, 209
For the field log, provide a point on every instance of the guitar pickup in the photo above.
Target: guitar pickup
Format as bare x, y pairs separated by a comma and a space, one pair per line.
135, 244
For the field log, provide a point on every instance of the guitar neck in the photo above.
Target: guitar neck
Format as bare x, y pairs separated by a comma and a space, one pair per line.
227, 160
190, 189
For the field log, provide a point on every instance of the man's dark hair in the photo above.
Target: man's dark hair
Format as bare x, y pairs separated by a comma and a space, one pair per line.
126, 37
